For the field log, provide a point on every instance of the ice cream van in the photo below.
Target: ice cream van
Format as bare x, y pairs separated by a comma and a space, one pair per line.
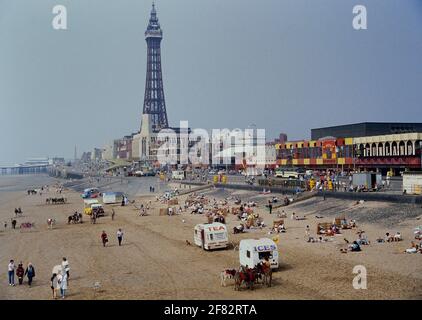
211, 236
253, 251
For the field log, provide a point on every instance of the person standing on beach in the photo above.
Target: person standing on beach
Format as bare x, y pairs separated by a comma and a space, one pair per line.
66, 268
30, 273
14, 223
104, 238
270, 206
11, 272
307, 233
62, 283
112, 214
20, 272
54, 285
120, 236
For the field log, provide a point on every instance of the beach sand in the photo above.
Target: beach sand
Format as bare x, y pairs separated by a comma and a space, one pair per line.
155, 262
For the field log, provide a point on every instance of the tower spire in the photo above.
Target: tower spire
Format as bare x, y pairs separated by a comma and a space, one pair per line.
154, 102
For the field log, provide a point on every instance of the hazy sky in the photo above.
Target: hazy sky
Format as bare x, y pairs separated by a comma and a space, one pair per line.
284, 65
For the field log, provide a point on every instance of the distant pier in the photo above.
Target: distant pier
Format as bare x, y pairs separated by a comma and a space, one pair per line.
24, 169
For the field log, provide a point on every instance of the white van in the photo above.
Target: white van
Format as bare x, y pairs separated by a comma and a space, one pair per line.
253, 251
178, 175
211, 236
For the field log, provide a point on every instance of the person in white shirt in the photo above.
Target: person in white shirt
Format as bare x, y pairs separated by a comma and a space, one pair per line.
120, 236
397, 236
65, 267
62, 283
11, 272
307, 232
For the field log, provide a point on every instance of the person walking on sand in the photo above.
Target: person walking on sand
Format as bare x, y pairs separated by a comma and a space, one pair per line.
54, 285
30, 273
112, 214
11, 272
14, 223
62, 283
66, 268
20, 272
120, 236
104, 238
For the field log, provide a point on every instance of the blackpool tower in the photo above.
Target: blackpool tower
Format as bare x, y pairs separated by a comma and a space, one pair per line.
154, 102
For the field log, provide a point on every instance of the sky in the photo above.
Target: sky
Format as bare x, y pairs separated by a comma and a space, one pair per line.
282, 65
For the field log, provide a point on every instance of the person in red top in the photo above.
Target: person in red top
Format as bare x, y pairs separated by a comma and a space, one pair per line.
104, 238
20, 272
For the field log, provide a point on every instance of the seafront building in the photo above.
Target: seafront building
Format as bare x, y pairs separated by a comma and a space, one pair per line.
370, 146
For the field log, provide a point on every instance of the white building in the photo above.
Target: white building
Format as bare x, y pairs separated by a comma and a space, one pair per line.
270, 155
108, 152
144, 144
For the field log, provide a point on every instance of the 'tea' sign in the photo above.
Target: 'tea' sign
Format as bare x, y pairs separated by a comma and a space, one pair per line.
216, 228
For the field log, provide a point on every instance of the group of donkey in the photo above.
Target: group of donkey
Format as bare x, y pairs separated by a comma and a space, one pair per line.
74, 218
248, 276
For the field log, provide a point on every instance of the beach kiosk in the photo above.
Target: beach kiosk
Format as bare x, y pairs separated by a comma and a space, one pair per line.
113, 197
253, 251
211, 236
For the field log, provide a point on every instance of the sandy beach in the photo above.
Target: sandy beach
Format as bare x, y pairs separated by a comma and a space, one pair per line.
155, 262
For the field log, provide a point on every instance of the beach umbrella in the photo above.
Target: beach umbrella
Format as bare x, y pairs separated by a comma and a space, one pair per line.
57, 269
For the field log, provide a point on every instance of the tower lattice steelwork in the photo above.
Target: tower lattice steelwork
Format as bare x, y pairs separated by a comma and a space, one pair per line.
154, 102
